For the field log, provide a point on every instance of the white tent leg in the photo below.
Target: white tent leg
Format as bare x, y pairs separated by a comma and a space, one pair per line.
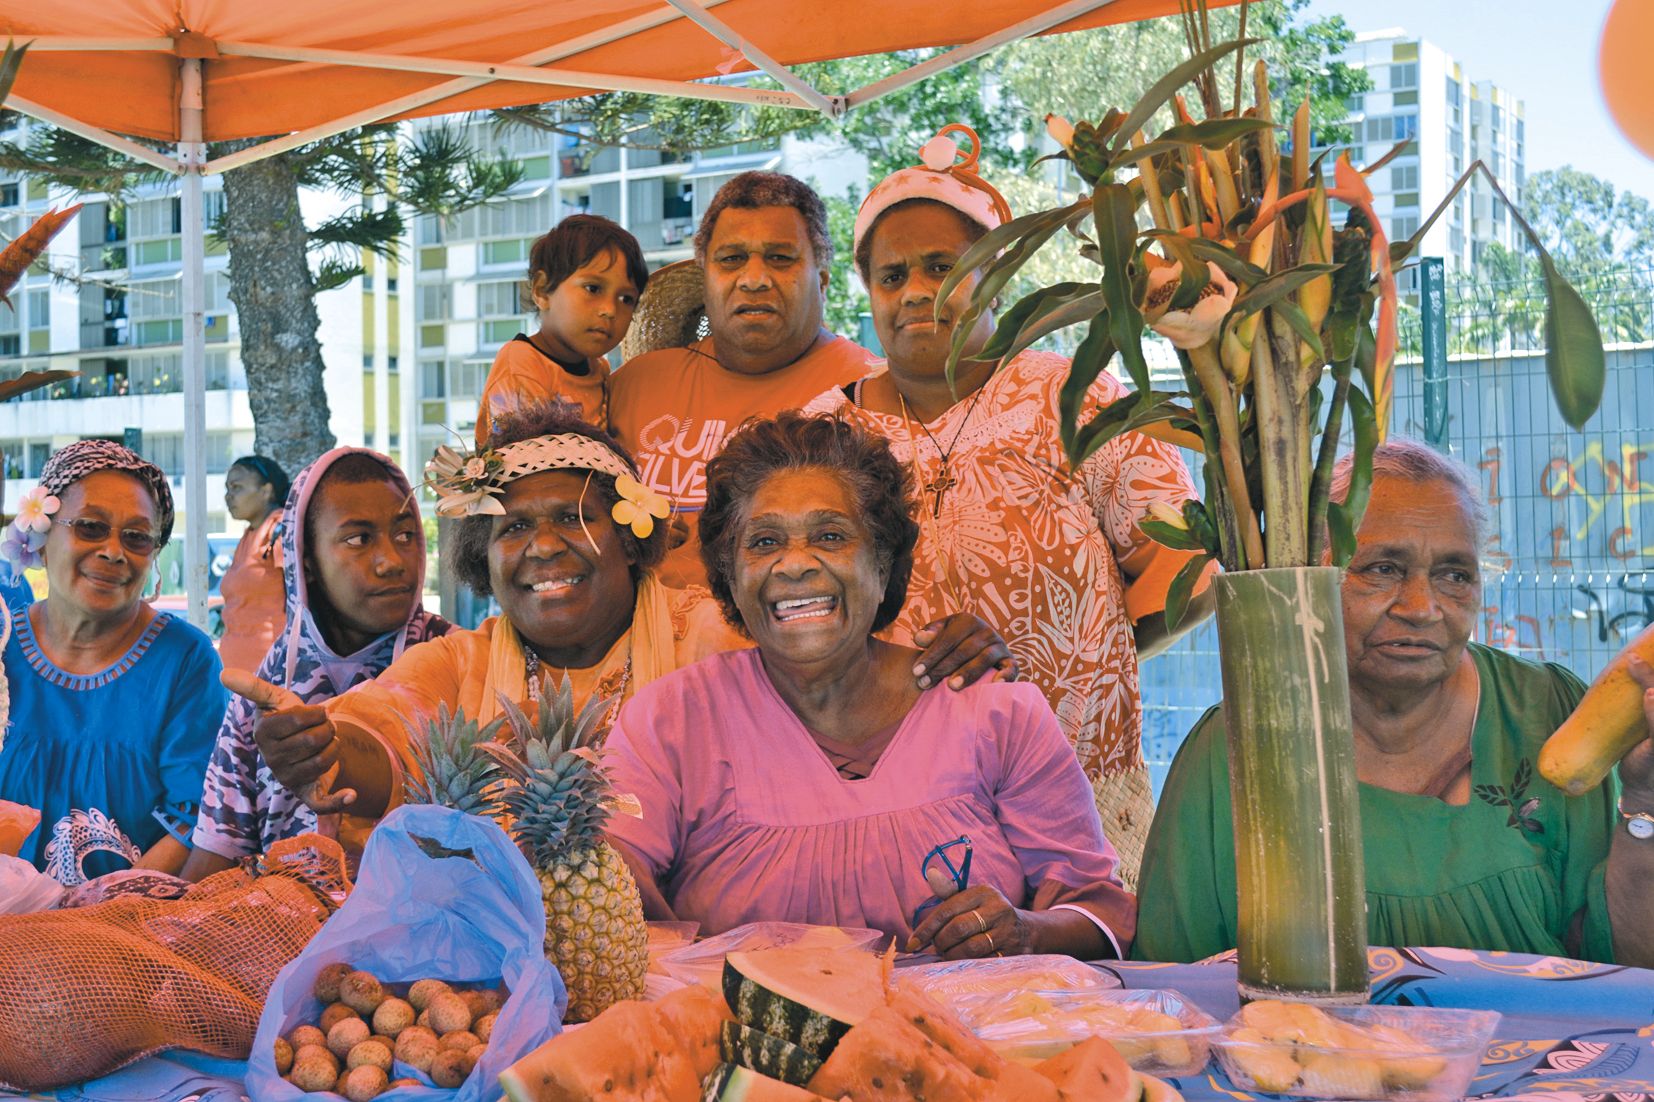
192, 152
959, 55
723, 32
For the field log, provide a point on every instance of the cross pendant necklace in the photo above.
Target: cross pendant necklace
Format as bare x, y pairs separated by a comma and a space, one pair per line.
944, 480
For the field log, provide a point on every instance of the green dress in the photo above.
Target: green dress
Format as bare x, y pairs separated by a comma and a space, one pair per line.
1518, 868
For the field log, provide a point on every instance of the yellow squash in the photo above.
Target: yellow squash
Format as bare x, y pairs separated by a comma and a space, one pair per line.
1608, 722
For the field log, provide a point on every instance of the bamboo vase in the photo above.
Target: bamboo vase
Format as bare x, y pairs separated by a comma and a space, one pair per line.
1302, 919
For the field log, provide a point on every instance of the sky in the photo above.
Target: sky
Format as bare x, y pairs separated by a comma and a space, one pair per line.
1543, 52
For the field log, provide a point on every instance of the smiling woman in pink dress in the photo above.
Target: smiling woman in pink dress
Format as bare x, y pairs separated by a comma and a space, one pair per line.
807, 779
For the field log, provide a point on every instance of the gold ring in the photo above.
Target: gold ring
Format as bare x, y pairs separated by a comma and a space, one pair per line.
989, 935
981, 923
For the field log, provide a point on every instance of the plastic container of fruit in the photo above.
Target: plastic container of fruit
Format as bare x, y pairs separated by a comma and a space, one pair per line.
1158, 1032
954, 982
1400, 1053
703, 962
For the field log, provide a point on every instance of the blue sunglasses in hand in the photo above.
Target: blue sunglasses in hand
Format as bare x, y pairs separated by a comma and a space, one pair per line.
947, 869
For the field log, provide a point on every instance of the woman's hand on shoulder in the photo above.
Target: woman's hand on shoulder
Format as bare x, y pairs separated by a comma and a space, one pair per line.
297, 740
961, 649
977, 922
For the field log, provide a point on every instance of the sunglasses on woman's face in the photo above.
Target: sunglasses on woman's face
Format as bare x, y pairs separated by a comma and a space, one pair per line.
138, 541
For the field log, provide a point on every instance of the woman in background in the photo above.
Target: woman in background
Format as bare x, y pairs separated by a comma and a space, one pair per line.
255, 602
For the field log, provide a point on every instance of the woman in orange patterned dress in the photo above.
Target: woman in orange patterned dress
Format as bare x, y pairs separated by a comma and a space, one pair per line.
1049, 556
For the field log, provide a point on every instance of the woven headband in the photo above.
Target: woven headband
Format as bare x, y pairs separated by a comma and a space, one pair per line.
469, 484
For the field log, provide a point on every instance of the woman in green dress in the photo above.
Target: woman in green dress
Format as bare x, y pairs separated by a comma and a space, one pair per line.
1465, 844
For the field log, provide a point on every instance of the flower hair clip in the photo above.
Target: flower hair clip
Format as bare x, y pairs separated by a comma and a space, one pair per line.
465, 484
639, 506
26, 534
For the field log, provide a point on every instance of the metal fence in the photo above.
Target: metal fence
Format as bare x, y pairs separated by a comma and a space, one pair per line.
1566, 575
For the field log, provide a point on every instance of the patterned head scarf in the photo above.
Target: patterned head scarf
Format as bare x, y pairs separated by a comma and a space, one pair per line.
87, 457
26, 534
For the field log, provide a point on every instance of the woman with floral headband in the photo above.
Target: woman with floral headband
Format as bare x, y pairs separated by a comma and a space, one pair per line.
556, 526
113, 705
1050, 556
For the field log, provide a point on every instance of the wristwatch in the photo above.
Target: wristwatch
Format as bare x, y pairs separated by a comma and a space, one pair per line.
1638, 824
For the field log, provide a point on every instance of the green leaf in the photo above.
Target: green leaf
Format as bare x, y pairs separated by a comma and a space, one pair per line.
1168, 535
1213, 134
1232, 264
1295, 317
1573, 349
994, 278
1089, 360
998, 238
1029, 309
1166, 87
1122, 415
1182, 589
10, 62
1344, 518
1275, 287
1116, 220
1200, 523
1060, 315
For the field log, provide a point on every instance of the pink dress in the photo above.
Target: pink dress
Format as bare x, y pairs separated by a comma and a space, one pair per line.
746, 819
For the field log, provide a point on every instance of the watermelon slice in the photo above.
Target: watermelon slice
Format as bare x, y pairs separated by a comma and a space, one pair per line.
887, 1059
767, 1055
809, 997
733, 1083
1093, 1071
694, 1016
626, 1052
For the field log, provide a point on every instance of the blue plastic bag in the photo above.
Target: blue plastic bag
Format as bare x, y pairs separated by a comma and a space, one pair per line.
417, 913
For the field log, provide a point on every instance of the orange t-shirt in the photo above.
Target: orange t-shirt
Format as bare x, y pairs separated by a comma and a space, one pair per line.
673, 409
255, 597
522, 373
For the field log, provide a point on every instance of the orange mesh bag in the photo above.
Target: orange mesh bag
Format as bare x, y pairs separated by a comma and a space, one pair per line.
87, 991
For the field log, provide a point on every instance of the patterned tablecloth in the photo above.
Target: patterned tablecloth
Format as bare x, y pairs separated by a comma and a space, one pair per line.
1570, 1030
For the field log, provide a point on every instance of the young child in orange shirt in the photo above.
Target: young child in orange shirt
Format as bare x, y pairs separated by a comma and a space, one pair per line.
585, 276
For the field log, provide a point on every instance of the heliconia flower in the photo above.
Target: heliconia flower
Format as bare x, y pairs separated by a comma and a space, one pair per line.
938, 154
34, 512
1167, 513
1193, 327
1061, 130
638, 506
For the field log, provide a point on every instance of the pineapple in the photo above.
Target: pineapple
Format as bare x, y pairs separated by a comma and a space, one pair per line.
454, 773
557, 795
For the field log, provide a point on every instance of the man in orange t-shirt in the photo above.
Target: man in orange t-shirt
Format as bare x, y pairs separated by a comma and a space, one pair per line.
764, 248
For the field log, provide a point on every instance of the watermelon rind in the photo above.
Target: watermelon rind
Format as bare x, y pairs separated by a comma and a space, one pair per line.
766, 1054
803, 1017
733, 1083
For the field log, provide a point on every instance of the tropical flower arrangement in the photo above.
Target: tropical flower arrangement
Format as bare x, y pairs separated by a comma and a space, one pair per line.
1221, 234
1218, 233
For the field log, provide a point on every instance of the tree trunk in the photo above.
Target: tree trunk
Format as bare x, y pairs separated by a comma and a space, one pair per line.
275, 301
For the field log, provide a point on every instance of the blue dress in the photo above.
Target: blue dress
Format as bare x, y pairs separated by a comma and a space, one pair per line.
114, 759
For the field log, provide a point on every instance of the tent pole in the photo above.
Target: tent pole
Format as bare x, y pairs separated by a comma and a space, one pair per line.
972, 50
192, 152
520, 74
723, 32
446, 89
92, 133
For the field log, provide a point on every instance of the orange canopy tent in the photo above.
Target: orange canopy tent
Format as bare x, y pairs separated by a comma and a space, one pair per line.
293, 71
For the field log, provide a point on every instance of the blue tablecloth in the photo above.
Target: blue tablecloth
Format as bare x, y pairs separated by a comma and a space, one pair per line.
1570, 1030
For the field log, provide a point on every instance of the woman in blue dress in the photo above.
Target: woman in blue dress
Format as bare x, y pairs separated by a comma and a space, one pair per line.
114, 705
